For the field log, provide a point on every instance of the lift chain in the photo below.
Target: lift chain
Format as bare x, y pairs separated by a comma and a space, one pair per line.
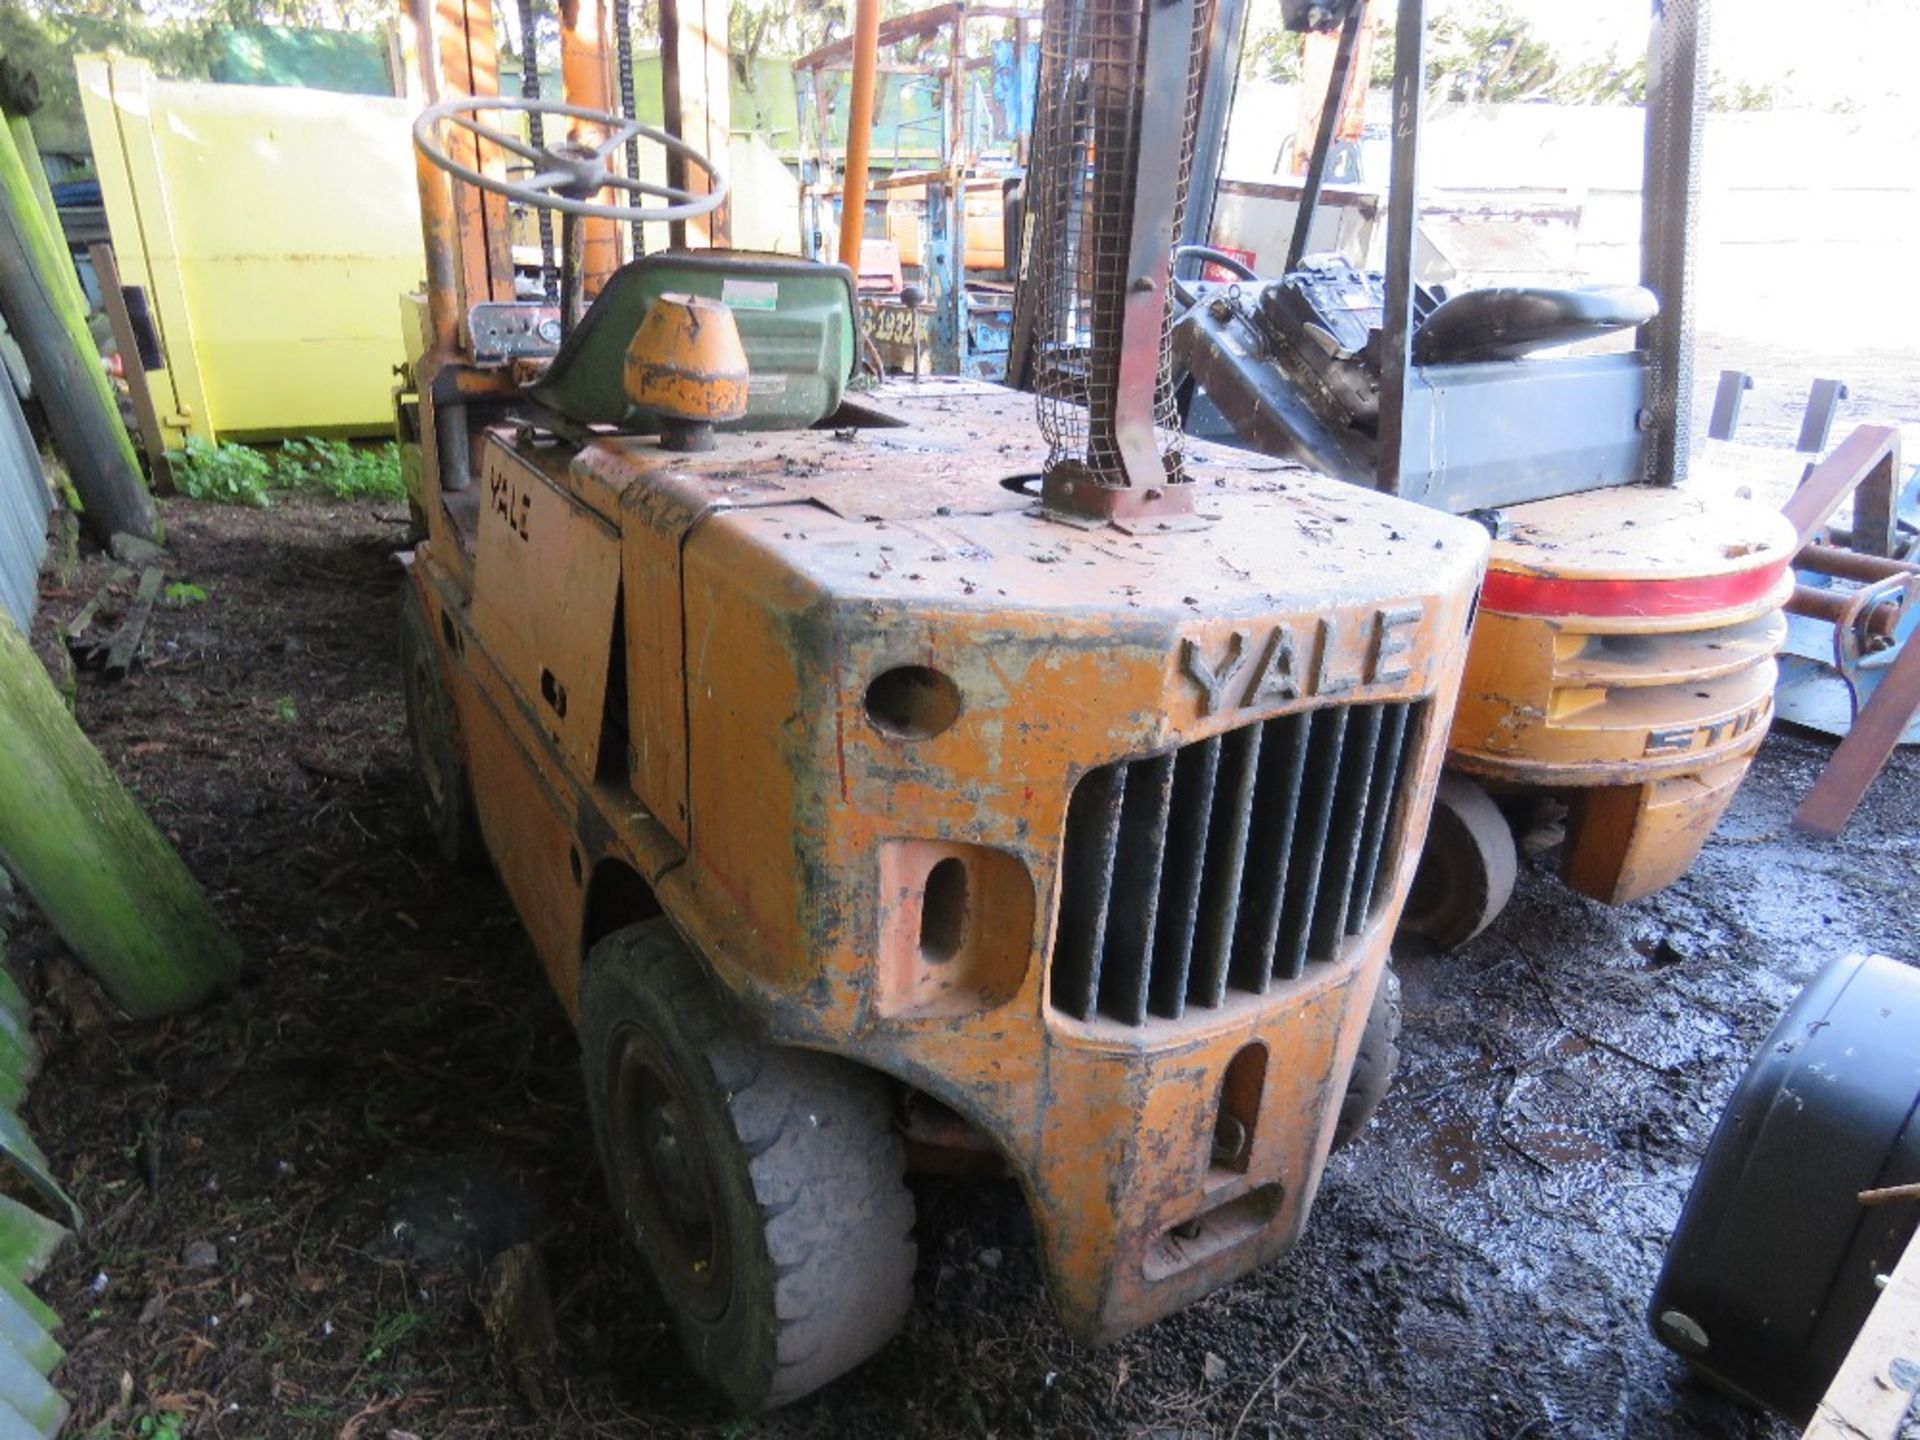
536, 132
623, 53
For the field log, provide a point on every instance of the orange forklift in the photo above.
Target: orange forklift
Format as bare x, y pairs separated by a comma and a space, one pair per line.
1622, 662
881, 775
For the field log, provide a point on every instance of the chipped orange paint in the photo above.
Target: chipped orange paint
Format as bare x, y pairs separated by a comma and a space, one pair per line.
660, 667
759, 588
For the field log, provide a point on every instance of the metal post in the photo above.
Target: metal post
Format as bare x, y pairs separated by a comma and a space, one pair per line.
1323, 141
1676, 101
1403, 222
587, 77
1216, 109
853, 188
1816, 425
1733, 388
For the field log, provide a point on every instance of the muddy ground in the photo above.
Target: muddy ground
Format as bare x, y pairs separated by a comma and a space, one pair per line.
393, 1087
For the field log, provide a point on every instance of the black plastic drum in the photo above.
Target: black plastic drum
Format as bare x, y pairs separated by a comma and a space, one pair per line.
1773, 1266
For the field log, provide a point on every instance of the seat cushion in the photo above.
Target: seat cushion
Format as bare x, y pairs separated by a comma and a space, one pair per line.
1508, 322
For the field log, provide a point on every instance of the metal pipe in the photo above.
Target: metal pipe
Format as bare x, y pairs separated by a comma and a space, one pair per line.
853, 188
1330, 109
440, 229
1403, 223
1851, 565
443, 282
1834, 606
1221, 77
585, 77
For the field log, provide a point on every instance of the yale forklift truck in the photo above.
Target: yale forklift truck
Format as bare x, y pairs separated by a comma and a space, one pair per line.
1623, 655
880, 775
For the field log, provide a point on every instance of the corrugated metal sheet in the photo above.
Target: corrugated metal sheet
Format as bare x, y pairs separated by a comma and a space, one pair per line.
29, 1404
24, 504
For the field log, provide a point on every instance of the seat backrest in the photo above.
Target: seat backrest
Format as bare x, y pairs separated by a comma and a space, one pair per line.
796, 319
1508, 322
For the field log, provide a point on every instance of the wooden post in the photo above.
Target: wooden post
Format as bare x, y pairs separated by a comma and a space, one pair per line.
114, 299
106, 879
65, 365
23, 142
696, 103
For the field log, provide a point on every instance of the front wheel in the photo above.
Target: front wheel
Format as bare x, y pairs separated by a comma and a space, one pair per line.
764, 1187
1374, 1066
1467, 867
445, 793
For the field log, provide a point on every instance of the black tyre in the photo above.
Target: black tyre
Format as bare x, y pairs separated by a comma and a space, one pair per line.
764, 1187
1374, 1066
445, 793
1467, 868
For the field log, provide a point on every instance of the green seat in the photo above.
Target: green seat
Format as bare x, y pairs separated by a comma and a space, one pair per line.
796, 319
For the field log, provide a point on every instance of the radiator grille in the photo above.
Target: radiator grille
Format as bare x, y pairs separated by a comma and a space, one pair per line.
1229, 863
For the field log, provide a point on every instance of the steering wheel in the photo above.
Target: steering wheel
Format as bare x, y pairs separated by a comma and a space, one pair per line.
567, 174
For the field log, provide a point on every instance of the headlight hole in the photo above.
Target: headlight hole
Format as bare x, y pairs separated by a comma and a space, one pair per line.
912, 702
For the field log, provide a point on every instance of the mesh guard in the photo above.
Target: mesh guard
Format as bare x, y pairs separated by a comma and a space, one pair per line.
1114, 140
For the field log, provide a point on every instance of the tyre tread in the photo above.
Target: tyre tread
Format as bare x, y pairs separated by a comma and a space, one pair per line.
827, 1171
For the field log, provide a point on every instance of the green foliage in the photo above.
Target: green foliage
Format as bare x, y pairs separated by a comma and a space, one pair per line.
344, 471
1486, 51
226, 474
180, 38
1270, 50
1609, 81
181, 594
161, 1425
1728, 94
391, 1330
241, 475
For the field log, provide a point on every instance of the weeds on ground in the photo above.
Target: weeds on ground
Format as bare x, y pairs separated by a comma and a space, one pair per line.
231, 474
227, 474
346, 472
182, 593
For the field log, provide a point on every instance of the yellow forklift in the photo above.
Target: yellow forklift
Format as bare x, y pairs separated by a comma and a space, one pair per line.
1623, 654
881, 776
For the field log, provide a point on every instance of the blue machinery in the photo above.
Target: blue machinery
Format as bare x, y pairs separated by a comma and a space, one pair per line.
953, 121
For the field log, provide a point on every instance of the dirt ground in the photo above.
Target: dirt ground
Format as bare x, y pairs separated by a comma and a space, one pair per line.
393, 1091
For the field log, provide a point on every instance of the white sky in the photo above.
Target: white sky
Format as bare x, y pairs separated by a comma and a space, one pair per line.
1861, 52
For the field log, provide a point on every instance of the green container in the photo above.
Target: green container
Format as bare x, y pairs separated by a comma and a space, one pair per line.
796, 320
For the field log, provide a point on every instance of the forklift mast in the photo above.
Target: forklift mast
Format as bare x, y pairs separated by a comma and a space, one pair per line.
1456, 426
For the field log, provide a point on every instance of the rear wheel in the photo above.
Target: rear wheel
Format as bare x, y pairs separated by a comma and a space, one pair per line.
444, 790
764, 1187
1467, 868
1374, 1066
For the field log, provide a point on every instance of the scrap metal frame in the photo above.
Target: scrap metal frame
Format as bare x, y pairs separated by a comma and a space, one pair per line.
943, 245
1470, 436
1866, 467
1633, 408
